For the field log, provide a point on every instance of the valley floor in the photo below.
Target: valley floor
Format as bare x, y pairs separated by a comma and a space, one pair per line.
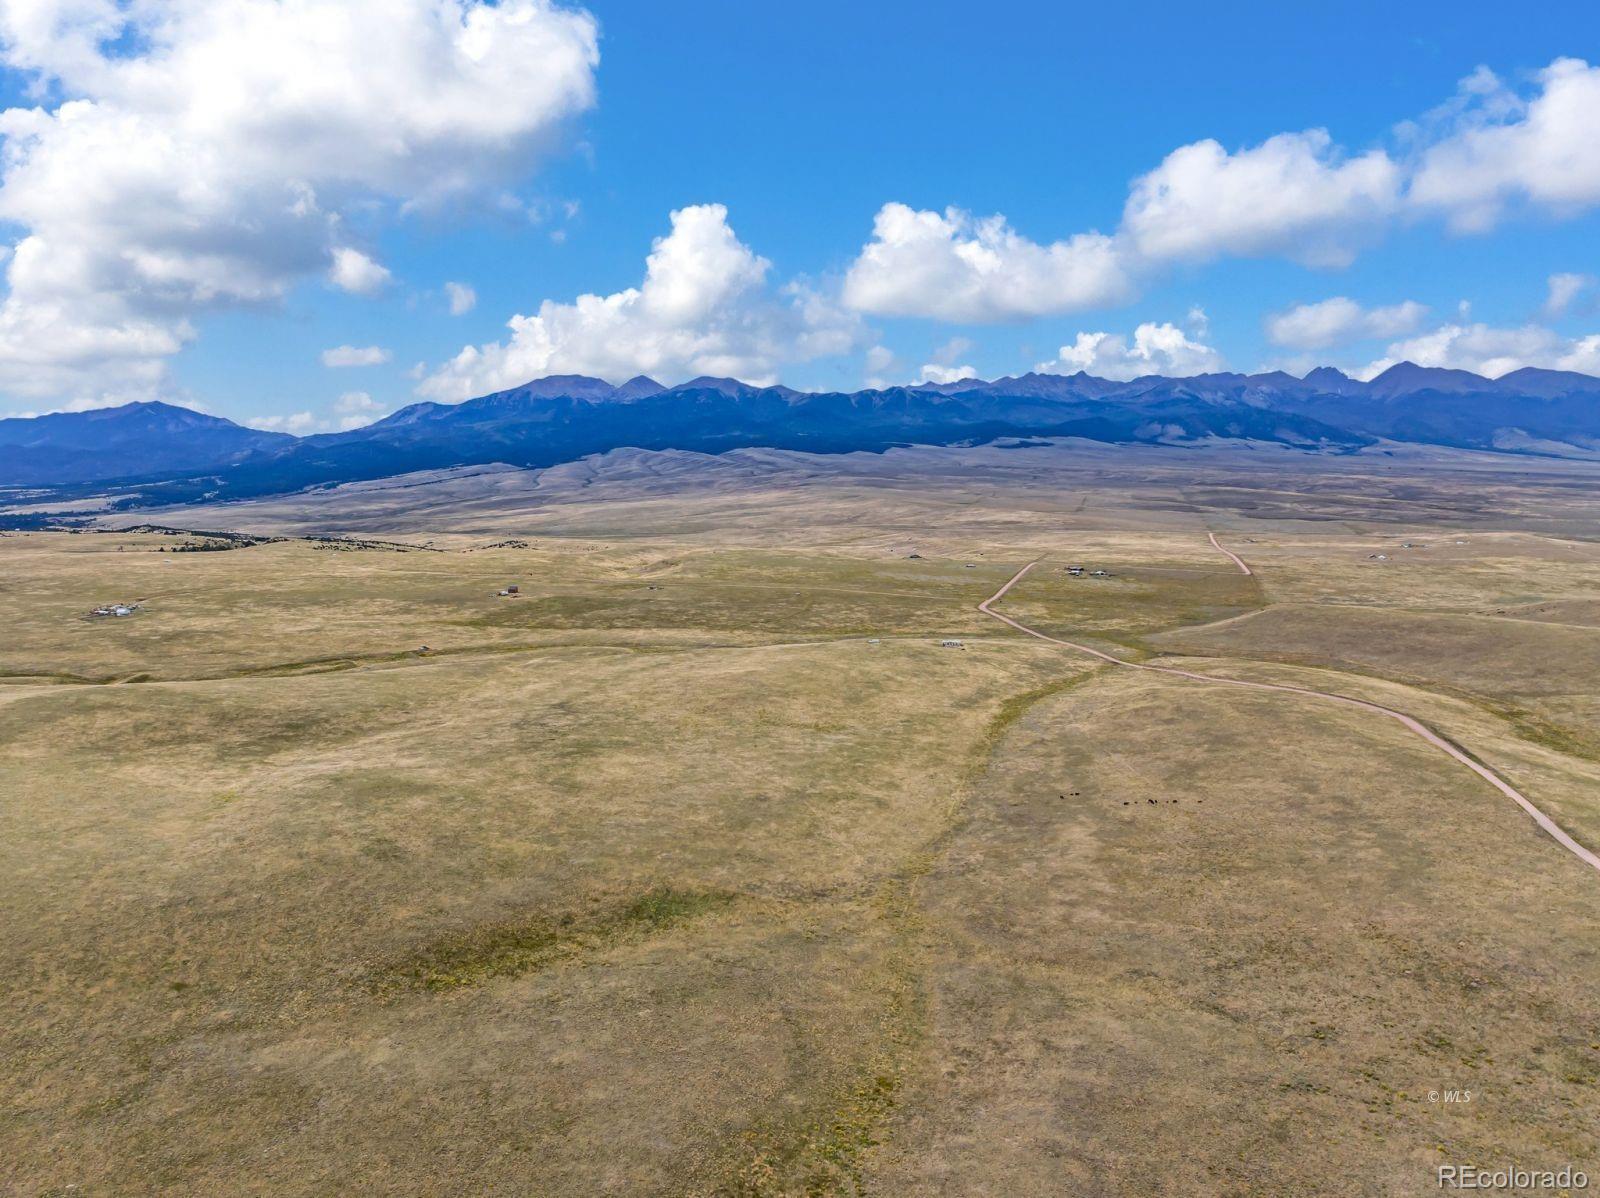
702, 866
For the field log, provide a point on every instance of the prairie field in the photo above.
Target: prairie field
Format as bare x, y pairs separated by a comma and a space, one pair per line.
702, 865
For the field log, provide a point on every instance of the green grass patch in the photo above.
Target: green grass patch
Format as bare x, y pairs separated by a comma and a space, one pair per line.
1135, 603
510, 949
1537, 729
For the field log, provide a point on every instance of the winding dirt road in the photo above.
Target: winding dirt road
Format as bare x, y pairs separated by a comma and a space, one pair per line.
1411, 724
1237, 560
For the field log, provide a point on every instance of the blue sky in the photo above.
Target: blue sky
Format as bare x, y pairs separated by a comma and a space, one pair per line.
802, 122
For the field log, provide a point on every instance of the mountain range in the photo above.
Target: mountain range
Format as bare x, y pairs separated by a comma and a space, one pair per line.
157, 453
135, 439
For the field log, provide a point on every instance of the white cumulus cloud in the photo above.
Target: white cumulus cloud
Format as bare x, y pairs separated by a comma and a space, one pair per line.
212, 158
1156, 349
1564, 289
355, 355
1496, 147
351, 410
1339, 321
943, 368
933, 372
356, 273
957, 267
880, 358
461, 297
297, 423
704, 307
881, 364
1491, 351
356, 408
1294, 195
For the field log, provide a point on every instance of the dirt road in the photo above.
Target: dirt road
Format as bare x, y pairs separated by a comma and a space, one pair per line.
1413, 725
1237, 560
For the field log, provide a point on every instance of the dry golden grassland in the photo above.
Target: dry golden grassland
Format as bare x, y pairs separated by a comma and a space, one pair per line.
700, 867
